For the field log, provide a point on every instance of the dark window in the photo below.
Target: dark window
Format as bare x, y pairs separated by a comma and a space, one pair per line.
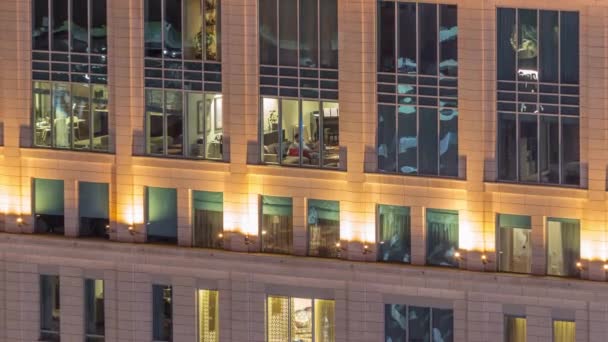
48, 206
94, 296
161, 215
411, 323
50, 310
94, 211
162, 313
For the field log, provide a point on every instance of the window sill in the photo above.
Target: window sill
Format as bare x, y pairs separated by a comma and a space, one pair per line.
63, 154
297, 171
181, 163
537, 189
417, 180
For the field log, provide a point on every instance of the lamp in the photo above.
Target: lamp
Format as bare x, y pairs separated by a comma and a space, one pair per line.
248, 240
20, 221
340, 248
579, 266
366, 249
458, 256
484, 259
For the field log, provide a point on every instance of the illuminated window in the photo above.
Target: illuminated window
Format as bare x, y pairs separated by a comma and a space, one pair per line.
208, 219
208, 316
277, 224
515, 329
300, 319
412, 323
538, 96
394, 234
514, 243
442, 237
94, 294
564, 331
323, 228
563, 246
50, 310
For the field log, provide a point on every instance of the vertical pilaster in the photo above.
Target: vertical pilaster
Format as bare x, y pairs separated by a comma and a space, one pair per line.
71, 294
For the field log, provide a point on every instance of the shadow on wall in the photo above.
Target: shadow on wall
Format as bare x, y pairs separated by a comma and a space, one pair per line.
139, 142
490, 170
253, 152
25, 135
371, 162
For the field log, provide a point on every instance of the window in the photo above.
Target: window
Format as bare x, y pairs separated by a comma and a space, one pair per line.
563, 247
441, 237
208, 219
50, 312
300, 133
70, 115
515, 248
515, 329
417, 88
538, 96
183, 79
411, 323
394, 234
69, 68
299, 48
323, 228
564, 331
48, 206
161, 214
300, 319
208, 316
277, 225
94, 294
162, 313
93, 207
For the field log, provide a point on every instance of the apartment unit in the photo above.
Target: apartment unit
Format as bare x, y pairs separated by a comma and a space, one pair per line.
303, 170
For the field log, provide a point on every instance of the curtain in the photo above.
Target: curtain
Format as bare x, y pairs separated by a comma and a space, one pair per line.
442, 237
571, 246
277, 319
49, 303
208, 316
514, 240
277, 224
564, 331
325, 323
394, 234
515, 329
323, 228
208, 218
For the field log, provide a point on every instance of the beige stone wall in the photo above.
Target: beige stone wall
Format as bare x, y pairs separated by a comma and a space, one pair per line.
475, 195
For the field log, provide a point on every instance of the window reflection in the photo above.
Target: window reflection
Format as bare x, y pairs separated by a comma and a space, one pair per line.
411, 323
49, 206
50, 309
161, 215
442, 237
300, 319
60, 25
94, 294
277, 225
394, 234
323, 228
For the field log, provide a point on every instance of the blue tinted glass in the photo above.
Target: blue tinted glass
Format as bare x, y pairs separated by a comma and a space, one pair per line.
309, 50
395, 323
569, 44
549, 43
79, 31
40, 24
448, 142
427, 33
328, 41
428, 141
173, 29
505, 18
419, 321
443, 325
386, 138
60, 25
407, 38
442, 237
407, 144
386, 36
394, 234
448, 34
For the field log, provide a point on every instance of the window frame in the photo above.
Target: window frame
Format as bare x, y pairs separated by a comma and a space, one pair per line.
88, 336
199, 290
164, 287
561, 220
289, 299
45, 333
408, 306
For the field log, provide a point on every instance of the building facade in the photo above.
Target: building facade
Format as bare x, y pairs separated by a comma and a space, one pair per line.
312, 170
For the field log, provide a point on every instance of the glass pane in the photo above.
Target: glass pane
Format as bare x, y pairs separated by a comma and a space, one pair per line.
528, 148
161, 214
93, 209
288, 32
61, 118
80, 26
208, 218
419, 320
153, 28
162, 313
268, 31
100, 121
49, 206
329, 39
394, 234
195, 115
277, 319
40, 24
331, 135
212, 30
427, 28
515, 329
323, 228
309, 35
310, 133
50, 310
569, 46
94, 307
99, 27
507, 147
301, 320
443, 325
407, 145
277, 224
81, 112
60, 25
290, 125
549, 46
214, 125
428, 141
564, 331
395, 323
563, 247
549, 149
515, 254
270, 128
325, 320
387, 158
208, 316
442, 237
174, 113
173, 29
407, 38
42, 113
527, 42
505, 50
154, 121
448, 142
448, 40
571, 166
386, 36
193, 24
